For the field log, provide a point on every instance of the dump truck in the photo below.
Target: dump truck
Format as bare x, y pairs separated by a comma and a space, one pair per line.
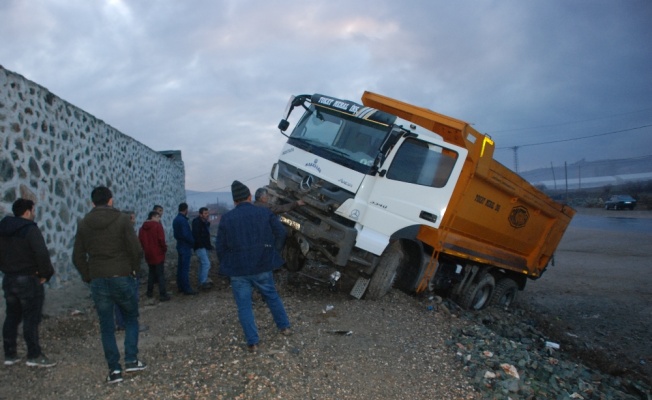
397, 195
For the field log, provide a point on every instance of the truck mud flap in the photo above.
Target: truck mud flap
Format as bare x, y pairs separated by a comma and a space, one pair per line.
360, 287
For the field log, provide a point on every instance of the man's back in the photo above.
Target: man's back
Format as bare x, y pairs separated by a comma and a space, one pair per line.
249, 240
22, 248
152, 240
182, 231
106, 244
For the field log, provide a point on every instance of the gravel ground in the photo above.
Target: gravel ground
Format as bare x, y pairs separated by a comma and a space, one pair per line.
194, 349
401, 347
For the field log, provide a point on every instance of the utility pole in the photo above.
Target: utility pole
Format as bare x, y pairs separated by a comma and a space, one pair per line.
553, 175
515, 148
566, 176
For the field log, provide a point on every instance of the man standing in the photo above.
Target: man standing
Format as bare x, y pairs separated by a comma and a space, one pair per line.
202, 236
158, 209
261, 199
25, 262
107, 255
185, 243
249, 242
152, 239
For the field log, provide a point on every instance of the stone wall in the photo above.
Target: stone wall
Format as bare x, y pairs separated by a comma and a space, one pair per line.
55, 154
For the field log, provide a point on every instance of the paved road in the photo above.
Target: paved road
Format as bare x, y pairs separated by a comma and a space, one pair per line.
615, 222
600, 290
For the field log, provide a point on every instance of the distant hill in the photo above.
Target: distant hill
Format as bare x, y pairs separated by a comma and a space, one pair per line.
590, 174
197, 199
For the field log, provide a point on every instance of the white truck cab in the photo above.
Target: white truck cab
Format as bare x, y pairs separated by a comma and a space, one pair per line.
366, 176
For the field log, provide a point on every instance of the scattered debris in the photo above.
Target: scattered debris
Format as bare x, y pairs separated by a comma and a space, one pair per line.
343, 333
552, 345
510, 370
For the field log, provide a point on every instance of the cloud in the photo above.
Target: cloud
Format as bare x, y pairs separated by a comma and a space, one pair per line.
211, 78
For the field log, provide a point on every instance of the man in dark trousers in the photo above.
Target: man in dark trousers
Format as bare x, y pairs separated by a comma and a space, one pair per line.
201, 234
185, 243
25, 262
152, 239
107, 255
249, 243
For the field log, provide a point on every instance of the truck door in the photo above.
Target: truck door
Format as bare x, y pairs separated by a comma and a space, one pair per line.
413, 188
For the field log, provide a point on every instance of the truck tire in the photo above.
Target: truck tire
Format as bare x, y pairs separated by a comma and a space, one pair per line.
388, 265
504, 293
477, 296
294, 258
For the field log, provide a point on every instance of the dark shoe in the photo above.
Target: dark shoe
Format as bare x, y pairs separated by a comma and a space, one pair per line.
114, 376
149, 294
253, 348
135, 366
41, 361
286, 332
11, 360
191, 293
119, 328
206, 286
165, 298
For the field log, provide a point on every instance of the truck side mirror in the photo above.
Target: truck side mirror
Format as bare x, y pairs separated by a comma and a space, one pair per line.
283, 125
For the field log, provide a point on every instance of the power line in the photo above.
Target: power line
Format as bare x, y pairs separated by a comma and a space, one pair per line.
577, 138
569, 123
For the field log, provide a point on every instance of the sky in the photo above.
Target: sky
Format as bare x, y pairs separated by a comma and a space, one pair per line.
551, 81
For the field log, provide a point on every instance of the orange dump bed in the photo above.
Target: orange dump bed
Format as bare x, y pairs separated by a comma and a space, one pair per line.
495, 217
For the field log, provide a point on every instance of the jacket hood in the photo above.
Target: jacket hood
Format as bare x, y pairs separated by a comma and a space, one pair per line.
101, 217
149, 225
10, 225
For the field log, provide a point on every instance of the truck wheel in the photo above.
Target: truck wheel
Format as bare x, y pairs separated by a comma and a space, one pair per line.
383, 278
504, 293
478, 294
294, 258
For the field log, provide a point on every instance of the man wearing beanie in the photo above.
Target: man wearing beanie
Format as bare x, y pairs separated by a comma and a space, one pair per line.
249, 244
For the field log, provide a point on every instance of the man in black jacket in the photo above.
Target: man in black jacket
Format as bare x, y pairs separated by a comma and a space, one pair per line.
25, 262
201, 234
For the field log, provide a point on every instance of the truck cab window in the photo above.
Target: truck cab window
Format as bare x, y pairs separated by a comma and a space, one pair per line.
321, 128
422, 163
340, 137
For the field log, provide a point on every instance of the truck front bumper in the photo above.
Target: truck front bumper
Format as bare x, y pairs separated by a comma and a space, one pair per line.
330, 238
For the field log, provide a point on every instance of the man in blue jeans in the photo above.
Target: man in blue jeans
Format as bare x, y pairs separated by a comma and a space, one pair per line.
107, 255
201, 234
249, 244
185, 243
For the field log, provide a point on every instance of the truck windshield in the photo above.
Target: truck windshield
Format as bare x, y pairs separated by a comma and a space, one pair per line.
339, 137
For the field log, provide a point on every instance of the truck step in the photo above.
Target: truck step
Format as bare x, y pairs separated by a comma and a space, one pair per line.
360, 287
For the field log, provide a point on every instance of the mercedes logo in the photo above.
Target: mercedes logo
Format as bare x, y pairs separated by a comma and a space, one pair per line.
306, 183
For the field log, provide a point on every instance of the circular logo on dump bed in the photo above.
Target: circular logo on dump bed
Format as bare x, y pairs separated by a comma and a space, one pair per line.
518, 217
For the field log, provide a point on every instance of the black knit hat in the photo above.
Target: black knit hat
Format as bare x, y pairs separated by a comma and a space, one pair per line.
239, 191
